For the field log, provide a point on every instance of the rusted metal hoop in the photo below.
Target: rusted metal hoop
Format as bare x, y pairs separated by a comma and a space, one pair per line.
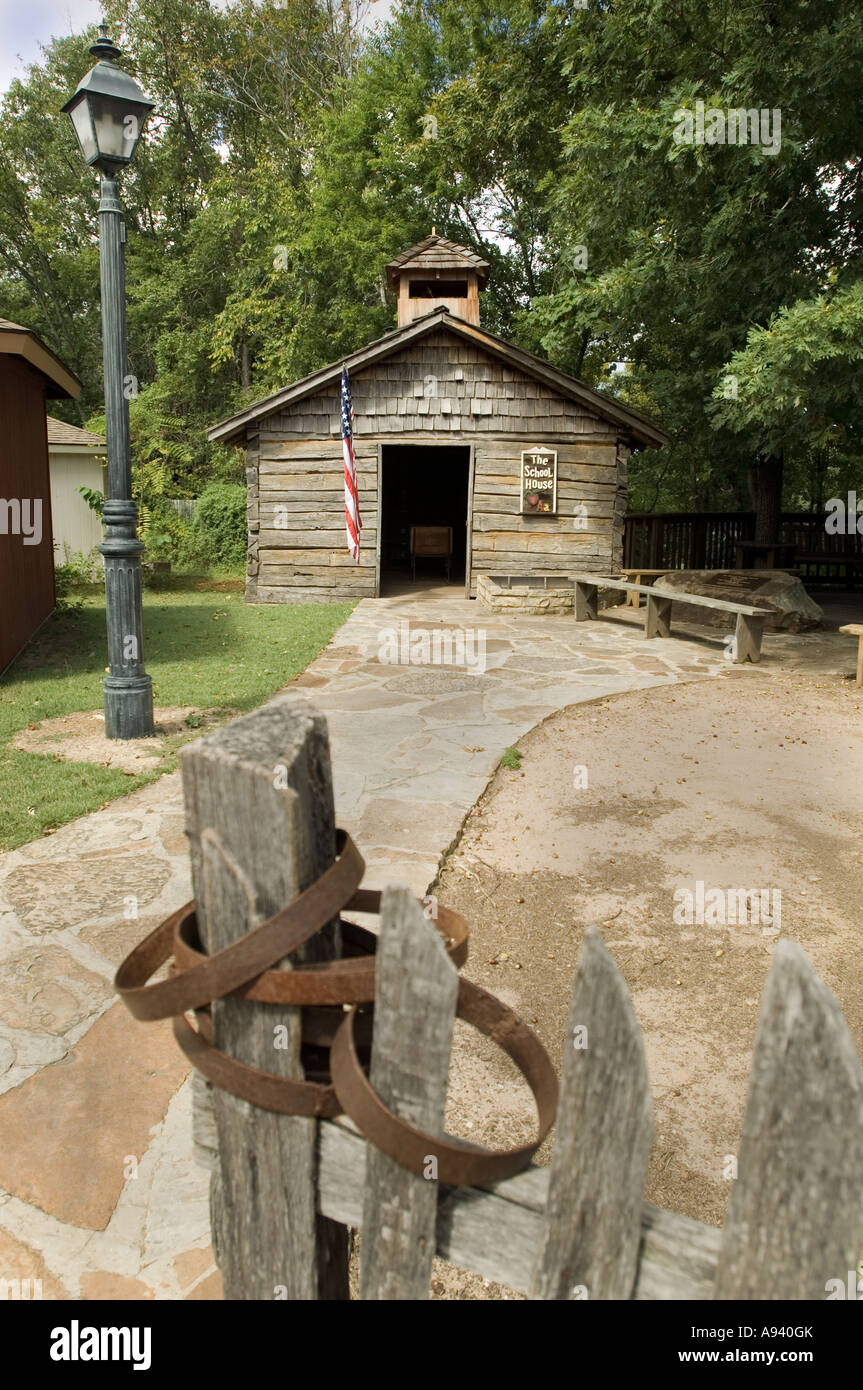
220, 974
242, 970
457, 1162
350, 980
260, 1088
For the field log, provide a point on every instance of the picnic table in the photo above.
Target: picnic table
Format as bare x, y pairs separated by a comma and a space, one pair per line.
856, 630
638, 576
773, 556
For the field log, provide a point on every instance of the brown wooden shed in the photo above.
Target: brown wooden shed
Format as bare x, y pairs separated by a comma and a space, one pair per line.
30, 374
453, 427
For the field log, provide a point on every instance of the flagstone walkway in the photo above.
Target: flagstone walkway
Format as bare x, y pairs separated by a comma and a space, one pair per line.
99, 1194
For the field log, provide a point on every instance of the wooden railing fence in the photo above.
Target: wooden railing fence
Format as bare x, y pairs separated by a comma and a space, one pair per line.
684, 540
286, 1189
708, 540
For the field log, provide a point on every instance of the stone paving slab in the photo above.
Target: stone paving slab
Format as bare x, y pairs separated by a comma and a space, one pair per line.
82, 1124
99, 1194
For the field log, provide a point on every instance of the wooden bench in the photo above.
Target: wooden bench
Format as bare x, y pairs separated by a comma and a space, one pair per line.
850, 565
657, 620
856, 630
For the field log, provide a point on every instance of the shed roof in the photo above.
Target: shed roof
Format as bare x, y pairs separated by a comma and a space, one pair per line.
637, 426
23, 342
61, 433
435, 253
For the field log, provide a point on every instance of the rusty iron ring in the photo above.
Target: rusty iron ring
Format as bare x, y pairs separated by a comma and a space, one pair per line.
220, 974
262, 1088
459, 1163
239, 971
350, 980
326, 989
349, 1091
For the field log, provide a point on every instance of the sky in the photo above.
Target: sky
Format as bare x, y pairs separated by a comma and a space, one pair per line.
23, 26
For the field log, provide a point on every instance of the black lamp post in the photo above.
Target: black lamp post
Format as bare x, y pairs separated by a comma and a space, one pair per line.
108, 112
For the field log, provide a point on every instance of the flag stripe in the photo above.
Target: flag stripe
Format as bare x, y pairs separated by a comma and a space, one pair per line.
353, 521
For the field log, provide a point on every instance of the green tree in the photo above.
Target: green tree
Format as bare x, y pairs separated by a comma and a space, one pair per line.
798, 392
238, 92
690, 246
291, 154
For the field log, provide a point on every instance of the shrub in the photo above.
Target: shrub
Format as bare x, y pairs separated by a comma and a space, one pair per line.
75, 569
218, 532
66, 602
164, 533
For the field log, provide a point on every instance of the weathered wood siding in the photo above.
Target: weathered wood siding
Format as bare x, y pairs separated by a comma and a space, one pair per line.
442, 385
439, 389
585, 534
296, 509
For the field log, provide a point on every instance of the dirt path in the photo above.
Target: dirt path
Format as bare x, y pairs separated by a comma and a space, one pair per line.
748, 781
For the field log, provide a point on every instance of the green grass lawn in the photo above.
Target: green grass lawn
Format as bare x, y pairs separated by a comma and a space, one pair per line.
203, 646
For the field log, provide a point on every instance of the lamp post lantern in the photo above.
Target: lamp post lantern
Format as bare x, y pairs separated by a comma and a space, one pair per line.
108, 112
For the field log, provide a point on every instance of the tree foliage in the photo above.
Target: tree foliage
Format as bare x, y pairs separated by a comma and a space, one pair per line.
295, 148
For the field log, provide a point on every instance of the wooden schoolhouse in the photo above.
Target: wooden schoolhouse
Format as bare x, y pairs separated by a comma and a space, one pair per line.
469, 451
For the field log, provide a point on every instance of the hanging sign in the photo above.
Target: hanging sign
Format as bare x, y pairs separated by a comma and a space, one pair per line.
539, 482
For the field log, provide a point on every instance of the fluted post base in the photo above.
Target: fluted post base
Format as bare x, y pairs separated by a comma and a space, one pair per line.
128, 689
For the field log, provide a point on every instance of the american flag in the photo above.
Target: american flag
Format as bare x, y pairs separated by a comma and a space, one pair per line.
353, 522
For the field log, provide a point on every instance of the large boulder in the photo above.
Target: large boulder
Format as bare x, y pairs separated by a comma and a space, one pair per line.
791, 608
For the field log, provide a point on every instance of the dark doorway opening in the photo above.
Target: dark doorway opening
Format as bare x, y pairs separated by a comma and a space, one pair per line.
423, 485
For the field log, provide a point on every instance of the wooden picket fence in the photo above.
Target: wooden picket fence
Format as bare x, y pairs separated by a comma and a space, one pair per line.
286, 1189
708, 540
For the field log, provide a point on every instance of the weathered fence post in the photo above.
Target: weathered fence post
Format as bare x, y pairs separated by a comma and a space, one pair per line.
259, 813
592, 1221
416, 990
261, 826
795, 1218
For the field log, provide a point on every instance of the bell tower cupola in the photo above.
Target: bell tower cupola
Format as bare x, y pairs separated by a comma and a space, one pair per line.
437, 274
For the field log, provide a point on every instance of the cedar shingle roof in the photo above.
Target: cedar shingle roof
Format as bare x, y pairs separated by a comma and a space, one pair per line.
435, 253
61, 433
600, 404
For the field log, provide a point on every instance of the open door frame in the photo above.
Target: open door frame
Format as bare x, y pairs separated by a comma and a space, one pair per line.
468, 548
424, 444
